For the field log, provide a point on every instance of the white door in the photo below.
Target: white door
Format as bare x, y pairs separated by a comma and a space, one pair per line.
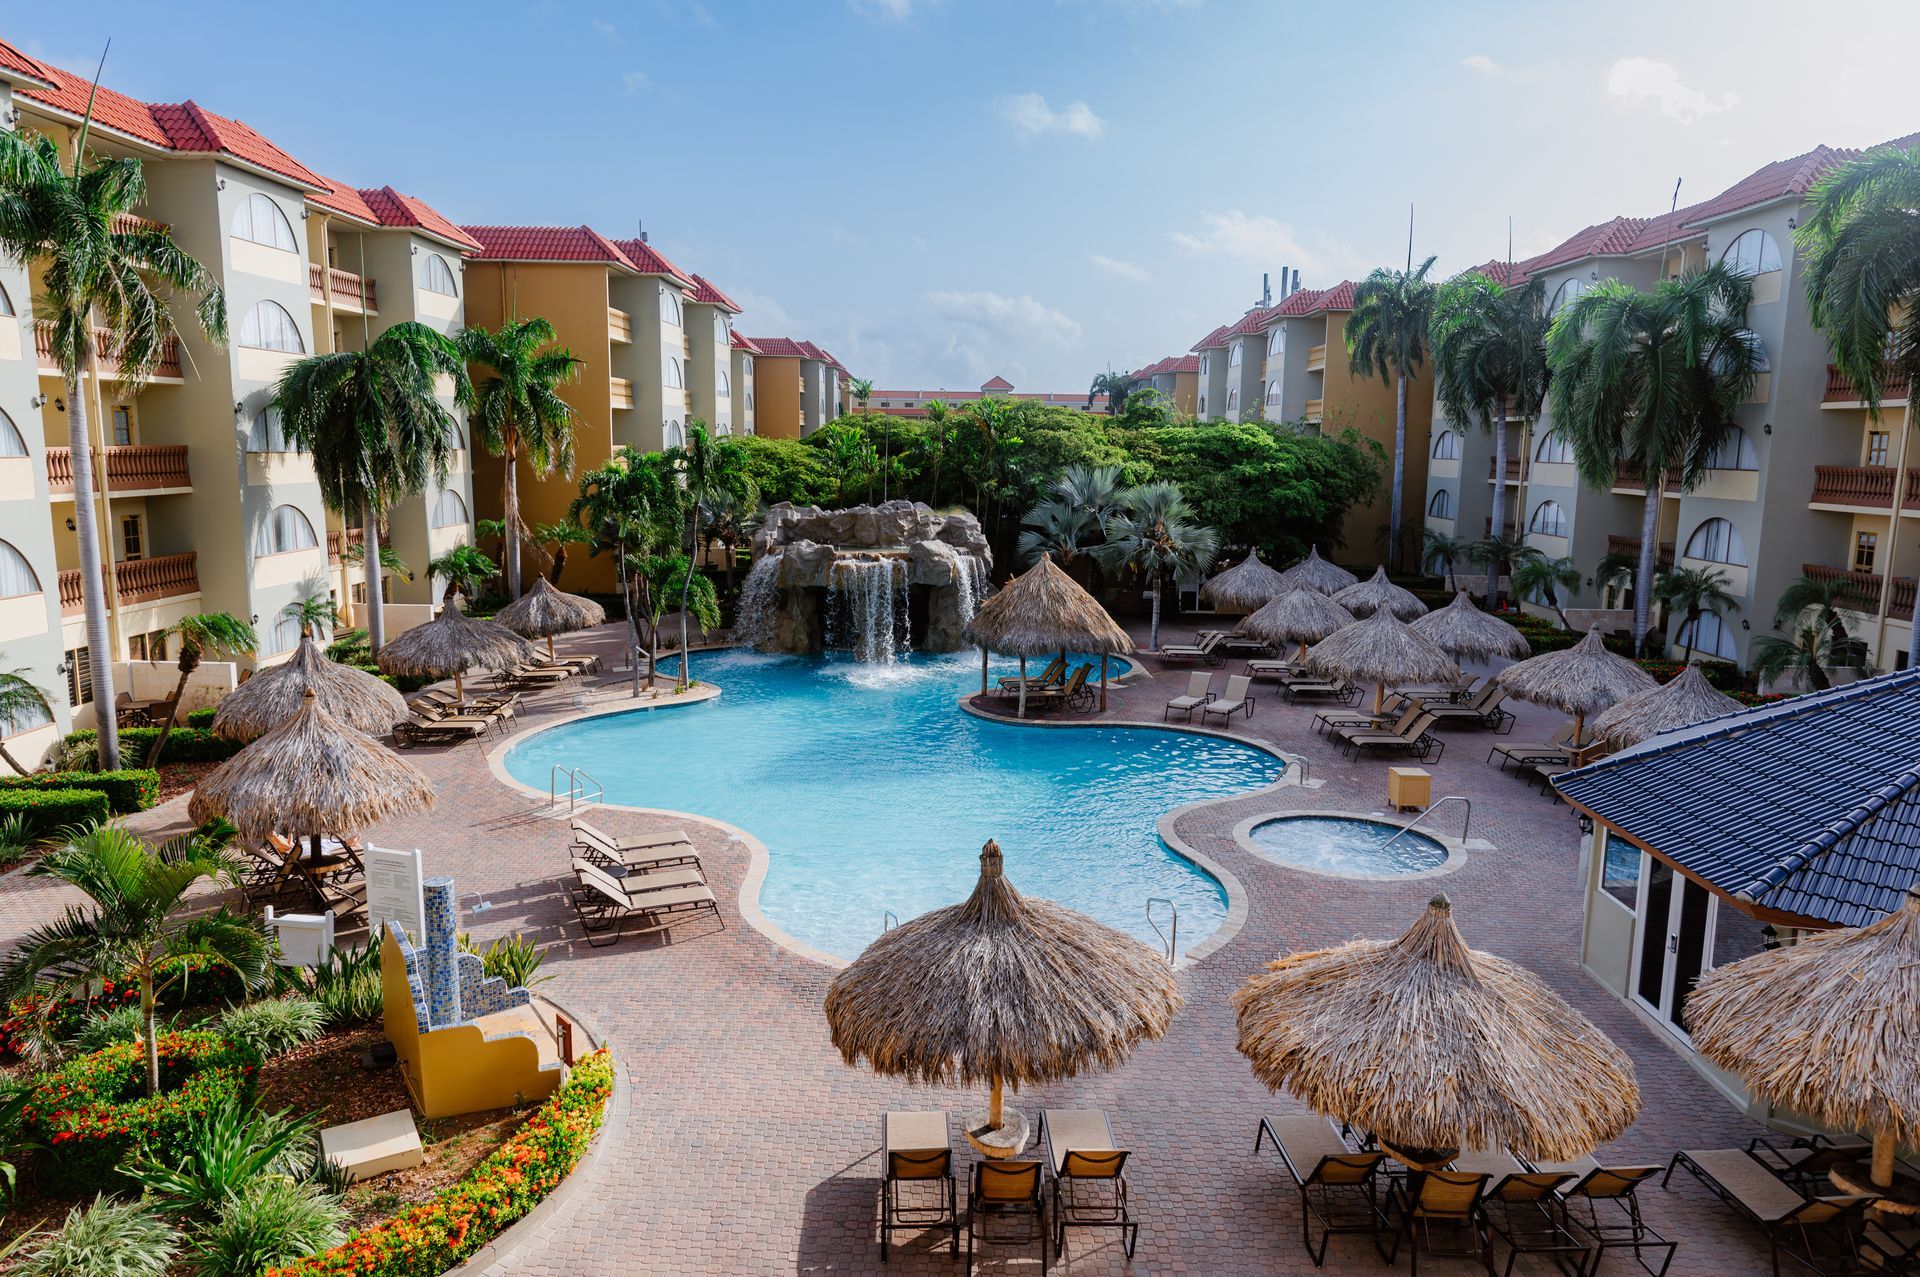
1673, 940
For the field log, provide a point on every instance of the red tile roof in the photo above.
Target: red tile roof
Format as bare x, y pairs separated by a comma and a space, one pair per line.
112, 110
742, 342
547, 244
707, 295
191, 127
649, 260
1302, 301
1499, 271
780, 348
1185, 363
395, 209
998, 383
1218, 337
1153, 369
19, 68
1255, 320
338, 197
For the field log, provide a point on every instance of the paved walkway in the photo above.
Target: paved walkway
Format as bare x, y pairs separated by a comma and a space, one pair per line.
751, 1147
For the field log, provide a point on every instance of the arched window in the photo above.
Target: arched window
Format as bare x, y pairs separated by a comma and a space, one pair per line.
669, 308
726, 383
749, 400
1566, 293
1206, 362
724, 427
676, 437
1752, 253
1734, 452
269, 327
259, 220
1757, 348
1233, 354
1441, 507
746, 366
1277, 340
1446, 446
720, 333
440, 276
12, 443
268, 434
285, 531
1553, 449
456, 437
6, 302
17, 576
1233, 398
32, 714
1548, 519
449, 511
1717, 541
1203, 403
1273, 391
674, 381
1711, 636
283, 637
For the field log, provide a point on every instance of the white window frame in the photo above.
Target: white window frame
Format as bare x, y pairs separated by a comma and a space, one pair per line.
1569, 290
675, 380
1440, 506
1553, 450
669, 307
268, 541
429, 281
1729, 549
1446, 446
1747, 254
441, 510
268, 429
12, 442
246, 224
1745, 455
1538, 522
254, 335
16, 570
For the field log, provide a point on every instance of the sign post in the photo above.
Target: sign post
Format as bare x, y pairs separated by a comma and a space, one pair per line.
394, 892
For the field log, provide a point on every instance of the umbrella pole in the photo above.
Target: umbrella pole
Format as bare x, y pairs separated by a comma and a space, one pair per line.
994, 1108
1103, 682
1579, 728
550, 652
1023, 687
1379, 697
458, 695
1882, 1160
983, 669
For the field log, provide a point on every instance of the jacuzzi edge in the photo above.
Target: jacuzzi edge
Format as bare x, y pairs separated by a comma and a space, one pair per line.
1456, 849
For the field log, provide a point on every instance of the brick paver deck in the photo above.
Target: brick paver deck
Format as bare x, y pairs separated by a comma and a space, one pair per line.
751, 1148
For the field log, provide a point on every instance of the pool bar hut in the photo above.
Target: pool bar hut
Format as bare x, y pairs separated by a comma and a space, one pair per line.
1041, 612
1741, 834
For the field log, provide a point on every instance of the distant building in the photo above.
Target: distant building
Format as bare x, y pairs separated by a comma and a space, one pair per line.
913, 403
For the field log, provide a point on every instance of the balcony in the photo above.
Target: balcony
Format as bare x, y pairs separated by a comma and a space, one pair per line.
1862, 488
1317, 358
342, 289
1314, 409
167, 369
131, 471
1842, 393
622, 390
1517, 469
1630, 479
138, 581
1864, 590
337, 541
619, 324
1630, 548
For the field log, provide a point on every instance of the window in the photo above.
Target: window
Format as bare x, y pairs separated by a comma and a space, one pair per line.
1447, 446
1277, 340
724, 426
1566, 293
285, 530
267, 434
1620, 874
674, 381
1876, 447
1273, 393
749, 401
79, 677
746, 366
12, 443
1203, 404
25, 719
676, 437
16, 574
259, 220
1717, 541
122, 425
1548, 519
456, 437
1865, 544
1553, 450
669, 308
449, 511
1734, 452
1233, 398
720, 333
284, 637
269, 327
130, 541
1441, 507
440, 276
157, 645
1206, 362
726, 383
1752, 253
6, 302
1233, 356
1711, 635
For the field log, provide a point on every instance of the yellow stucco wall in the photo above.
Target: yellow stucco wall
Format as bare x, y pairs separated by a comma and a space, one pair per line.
1366, 404
776, 397
1186, 393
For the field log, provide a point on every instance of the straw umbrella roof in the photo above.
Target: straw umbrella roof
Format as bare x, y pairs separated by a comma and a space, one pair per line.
273, 696
1042, 611
1298, 616
1680, 703
1828, 1027
313, 774
1315, 573
999, 988
1382, 649
1431, 1045
545, 611
1376, 593
1465, 631
1245, 586
452, 643
1581, 680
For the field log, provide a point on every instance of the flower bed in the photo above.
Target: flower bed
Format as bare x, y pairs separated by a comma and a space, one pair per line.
190, 980
429, 1239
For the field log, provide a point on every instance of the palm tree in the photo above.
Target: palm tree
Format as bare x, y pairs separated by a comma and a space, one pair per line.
1450, 551
1807, 656
941, 439
1533, 573
1860, 249
1095, 489
731, 521
137, 915
518, 410
1055, 528
1387, 336
95, 261
1153, 533
20, 700
1694, 592
465, 568
1116, 386
625, 508
708, 472
375, 428
315, 613
1652, 379
1613, 570
1489, 353
198, 634
862, 388
1825, 597
1497, 551
560, 536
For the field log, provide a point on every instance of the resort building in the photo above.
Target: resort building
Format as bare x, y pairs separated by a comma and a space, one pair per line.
913, 403
1210, 376
1178, 378
710, 372
798, 386
743, 353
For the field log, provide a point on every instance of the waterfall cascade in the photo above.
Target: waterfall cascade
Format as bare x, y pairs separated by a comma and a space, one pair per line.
970, 583
867, 608
753, 618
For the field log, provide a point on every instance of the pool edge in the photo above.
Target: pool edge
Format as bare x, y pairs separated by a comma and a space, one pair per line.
1456, 848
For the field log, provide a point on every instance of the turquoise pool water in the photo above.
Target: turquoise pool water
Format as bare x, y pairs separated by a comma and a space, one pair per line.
1346, 845
874, 792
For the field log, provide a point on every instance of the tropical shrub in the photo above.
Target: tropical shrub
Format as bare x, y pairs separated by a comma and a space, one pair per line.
1724, 675
347, 986
196, 980
129, 789
37, 1016
221, 1151
78, 750
274, 1026
110, 1238
515, 959
202, 718
47, 811
275, 1221
435, 1236
123, 1023
16, 837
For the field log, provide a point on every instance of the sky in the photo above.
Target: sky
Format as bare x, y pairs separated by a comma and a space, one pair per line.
939, 191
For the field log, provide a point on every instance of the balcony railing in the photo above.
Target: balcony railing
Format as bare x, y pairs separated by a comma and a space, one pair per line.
105, 361
622, 390
138, 581
1840, 387
1869, 486
337, 541
127, 223
1863, 590
1317, 357
1630, 547
342, 287
1314, 409
1517, 468
619, 324
130, 469
1631, 475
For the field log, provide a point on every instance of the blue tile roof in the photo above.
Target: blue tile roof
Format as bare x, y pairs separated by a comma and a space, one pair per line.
1810, 806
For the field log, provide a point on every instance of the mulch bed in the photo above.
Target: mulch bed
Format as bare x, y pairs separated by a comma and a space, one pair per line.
179, 778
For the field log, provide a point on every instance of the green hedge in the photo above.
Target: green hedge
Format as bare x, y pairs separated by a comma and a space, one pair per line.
127, 790
202, 718
186, 745
48, 810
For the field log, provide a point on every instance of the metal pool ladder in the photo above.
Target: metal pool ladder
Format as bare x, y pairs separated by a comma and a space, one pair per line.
1466, 826
1170, 937
889, 920
581, 787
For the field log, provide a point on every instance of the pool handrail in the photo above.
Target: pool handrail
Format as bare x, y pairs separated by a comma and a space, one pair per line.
576, 790
1171, 937
888, 920
1466, 826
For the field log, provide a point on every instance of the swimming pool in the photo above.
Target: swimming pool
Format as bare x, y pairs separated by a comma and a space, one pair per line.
1346, 845
873, 792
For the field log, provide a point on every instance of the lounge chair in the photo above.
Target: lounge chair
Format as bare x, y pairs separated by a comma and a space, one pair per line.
1557, 749
1519, 1209
1482, 710
671, 850
1232, 702
1281, 670
1234, 643
443, 699
429, 727
1338, 689
1792, 1222
1330, 719
1089, 1184
1889, 1250
1204, 650
1199, 692
916, 1153
1616, 1190
1073, 694
1006, 1190
1448, 1201
606, 903
1056, 672
1434, 693
1339, 1188
1415, 737
1805, 1162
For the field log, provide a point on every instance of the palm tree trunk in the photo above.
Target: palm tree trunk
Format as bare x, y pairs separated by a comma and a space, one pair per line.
10, 760
1399, 471
559, 566
633, 623
1153, 625
510, 504
147, 1033
1692, 630
93, 573
686, 587
376, 603
187, 667
1499, 525
1643, 574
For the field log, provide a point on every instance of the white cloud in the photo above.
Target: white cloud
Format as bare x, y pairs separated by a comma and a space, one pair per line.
761, 315
1116, 266
1647, 84
1482, 63
637, 81
1030, 116
604, 29
1021, 318
1259, 240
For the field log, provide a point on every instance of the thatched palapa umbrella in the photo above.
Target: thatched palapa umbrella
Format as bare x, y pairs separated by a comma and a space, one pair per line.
1382, 649
999, 989
1434, 1047
453, 643
311, 775
1464, 632
545, 611
1315, 573
1580, 680
1245, 586
1299, 616
1040, 612
273, 696
1376, 593
1829, 1028
1681, 703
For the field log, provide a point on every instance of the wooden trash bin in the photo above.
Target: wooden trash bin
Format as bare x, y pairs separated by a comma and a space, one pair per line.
1409, 787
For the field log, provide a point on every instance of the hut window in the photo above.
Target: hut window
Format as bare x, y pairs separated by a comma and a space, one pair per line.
1620, 874
285, 531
